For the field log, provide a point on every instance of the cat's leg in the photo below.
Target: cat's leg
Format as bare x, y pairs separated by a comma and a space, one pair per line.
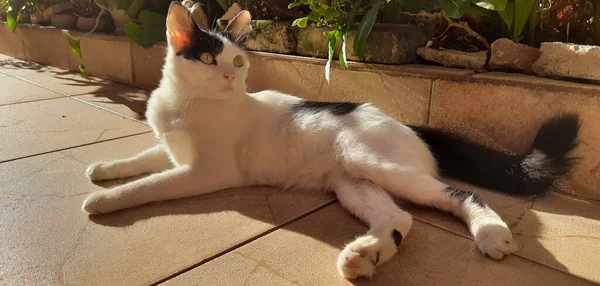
388, 224
151, 160
179, 182
492, 235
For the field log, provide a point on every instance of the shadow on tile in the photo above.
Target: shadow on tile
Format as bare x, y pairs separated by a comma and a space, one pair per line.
514, 215
132, 103
12, 65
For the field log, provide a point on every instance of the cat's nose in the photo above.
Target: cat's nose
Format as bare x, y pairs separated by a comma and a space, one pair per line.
229, 76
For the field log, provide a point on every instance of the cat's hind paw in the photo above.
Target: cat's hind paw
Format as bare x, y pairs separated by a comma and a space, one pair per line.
495, 241
360, 257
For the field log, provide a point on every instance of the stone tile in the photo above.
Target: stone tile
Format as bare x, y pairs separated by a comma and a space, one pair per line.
42, 126
15, 90
72, 83
147, 65
115, 65
406, 99
47, 239
306, 251
508, 117
56, 54
562, 233
11, 43
555, 230
128, 102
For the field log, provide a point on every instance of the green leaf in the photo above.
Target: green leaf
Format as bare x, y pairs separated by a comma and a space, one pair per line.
12, 22
521, 15
154, 29
294, 4
508, 14
314, 16
364, 29
495, 5
332, 35
135, 7
352, 16
476, 10
120, 16
342, 57
14, 9
331, 13
300, 22
455, 8
122, 4
75, 46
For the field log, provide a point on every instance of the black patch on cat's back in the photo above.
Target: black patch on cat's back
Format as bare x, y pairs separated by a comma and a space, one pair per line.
335, 108
397, 237
202, 42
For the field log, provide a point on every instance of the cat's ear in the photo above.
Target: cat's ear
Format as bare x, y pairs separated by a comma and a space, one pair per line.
180, 27
240, 24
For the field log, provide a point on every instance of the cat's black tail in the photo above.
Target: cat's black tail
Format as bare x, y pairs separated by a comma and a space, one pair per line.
527, 175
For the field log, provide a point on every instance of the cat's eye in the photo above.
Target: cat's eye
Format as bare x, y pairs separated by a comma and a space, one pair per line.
238, 61
207, 58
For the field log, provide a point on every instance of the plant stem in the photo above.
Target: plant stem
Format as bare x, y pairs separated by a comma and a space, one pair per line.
532, 23
469, 31
597, 22
97, 21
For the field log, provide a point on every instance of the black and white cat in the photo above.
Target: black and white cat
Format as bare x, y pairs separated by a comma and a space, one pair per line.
213, 136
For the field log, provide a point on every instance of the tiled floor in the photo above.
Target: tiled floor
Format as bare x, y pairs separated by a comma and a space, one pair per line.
53, 124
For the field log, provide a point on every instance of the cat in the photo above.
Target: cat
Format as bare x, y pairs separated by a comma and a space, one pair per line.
213, 136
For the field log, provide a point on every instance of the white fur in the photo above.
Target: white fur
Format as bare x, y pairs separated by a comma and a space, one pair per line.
211, 138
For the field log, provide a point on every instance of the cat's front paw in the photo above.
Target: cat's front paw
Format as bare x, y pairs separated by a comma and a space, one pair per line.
99, 203
100, 171
495, 240
360, 257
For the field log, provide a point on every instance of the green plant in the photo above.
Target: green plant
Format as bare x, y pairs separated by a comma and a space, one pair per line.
340, 15
514, 13
13, 11
126, 13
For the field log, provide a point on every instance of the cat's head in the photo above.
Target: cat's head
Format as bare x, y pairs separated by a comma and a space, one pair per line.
204, 59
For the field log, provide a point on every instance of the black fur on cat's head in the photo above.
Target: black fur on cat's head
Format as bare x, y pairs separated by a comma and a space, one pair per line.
206, 59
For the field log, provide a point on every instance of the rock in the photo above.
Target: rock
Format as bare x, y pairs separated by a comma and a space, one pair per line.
387, 44
233, 10
454, 58
63, 21
508, 55
87, 24
57, 8
198, 14
272, 36
568, 60
38, 18
25, 18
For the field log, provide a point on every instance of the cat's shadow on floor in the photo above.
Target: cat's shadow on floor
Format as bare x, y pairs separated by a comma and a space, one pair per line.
273, 206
